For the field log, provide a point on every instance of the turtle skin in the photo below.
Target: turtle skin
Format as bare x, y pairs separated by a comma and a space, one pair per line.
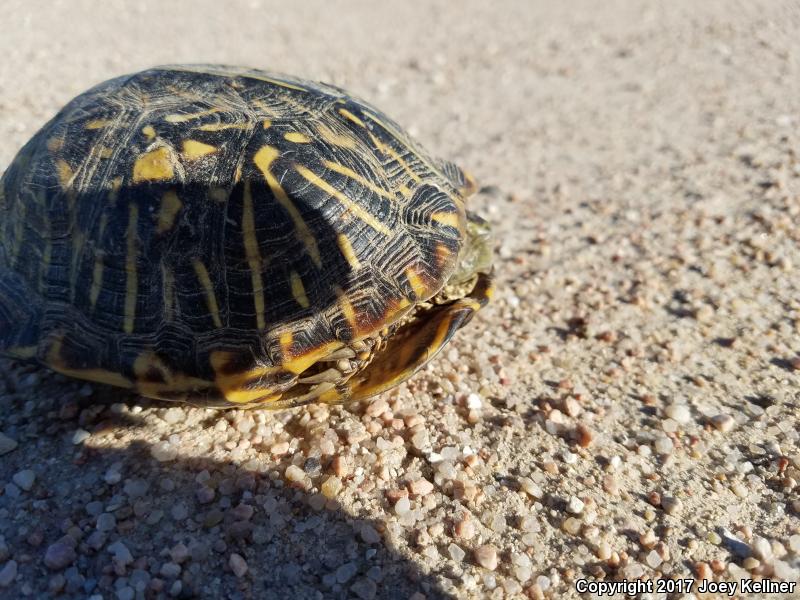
222, 236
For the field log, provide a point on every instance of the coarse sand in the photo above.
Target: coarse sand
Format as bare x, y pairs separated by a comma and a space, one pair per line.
626, 409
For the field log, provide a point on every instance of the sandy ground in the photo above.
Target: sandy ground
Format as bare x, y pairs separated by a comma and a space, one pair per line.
627, 408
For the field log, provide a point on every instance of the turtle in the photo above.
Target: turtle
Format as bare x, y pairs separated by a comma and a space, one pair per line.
233, 237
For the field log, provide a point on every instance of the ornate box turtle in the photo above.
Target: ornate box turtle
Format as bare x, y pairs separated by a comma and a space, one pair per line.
231, 237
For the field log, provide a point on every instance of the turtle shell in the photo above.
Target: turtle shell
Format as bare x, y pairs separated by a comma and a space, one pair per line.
189, 231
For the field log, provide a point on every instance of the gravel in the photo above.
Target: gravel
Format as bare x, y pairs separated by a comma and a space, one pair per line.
625, 407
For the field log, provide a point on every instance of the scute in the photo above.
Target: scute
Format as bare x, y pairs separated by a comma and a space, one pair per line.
194, 212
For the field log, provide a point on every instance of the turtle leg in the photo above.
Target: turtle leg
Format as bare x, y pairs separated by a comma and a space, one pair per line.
413, 346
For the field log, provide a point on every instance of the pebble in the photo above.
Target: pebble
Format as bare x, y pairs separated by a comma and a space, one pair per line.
571, 525
365, 588
529, 487
204, 494
331, 487
7, 444
346, 572
402, 506
671, 505
663, 445
136, 488
106, 522
678, 412
24, 479
474, 401
238, 565
486, 556
8, 573
369, 534
59, 555
170, 570
122, 555
455, 552
420, 487
174, 415
762, 549
80, 436
164, 452
723, 422
575, 505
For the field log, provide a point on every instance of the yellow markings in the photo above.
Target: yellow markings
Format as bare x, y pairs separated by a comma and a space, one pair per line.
104, 152
404, 190
218, 194
416, 283
222, 126
297, 137
168, 291
98, 123
387, 150
148, 362
443, 254
347, 202
301, 362
348, 312
149, 132
263, 160
155, 165
334, 138
231, 385
266, 123
65, 173
342, 170
211, 299
170, 207
192, 149
56, 362
22, 351
183, 117
347, 251
252, 253
451, 219
298, 290
55, 144
351, 117
132, 283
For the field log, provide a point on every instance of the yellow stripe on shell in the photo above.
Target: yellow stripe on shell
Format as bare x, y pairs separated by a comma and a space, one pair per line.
182, 118
387, 150
347, 202
65, 173
170, 207
98, 123
222, 126
55, 144
263, 160
351, 117
347, 251
416, 283
342, 170
132, 275
252, 253
297, 137
56, 362
298, 289
155, 165
192, 149
335, 139
211, 298
149, 132
451, 219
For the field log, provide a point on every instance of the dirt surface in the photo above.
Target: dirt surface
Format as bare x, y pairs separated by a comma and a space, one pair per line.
626, 409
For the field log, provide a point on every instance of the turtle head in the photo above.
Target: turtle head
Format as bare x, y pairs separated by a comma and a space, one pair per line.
476, 253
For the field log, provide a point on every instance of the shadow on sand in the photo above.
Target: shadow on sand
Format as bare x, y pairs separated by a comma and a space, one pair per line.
180, 521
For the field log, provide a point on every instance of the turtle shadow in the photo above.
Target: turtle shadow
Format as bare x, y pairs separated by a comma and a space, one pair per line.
129, 518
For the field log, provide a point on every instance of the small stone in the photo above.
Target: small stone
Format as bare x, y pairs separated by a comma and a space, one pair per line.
575, 505
6, 444
369, 534
180, 511
486, 556
402, 506
164, 452
331, 487
24, 479
663, 445
456, 553
365, 588
126, 593
465, 529
174, 415
8, 573
80, 436
653, 559
678, 412
794, 544
529, 487
59, 555
136, 488
106, 522
243, 512
170, 570
571, 525
420, 487
723, 422
238, 565
345, 572
204, 494
671, 505
474, 401
762, 549
122, 556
